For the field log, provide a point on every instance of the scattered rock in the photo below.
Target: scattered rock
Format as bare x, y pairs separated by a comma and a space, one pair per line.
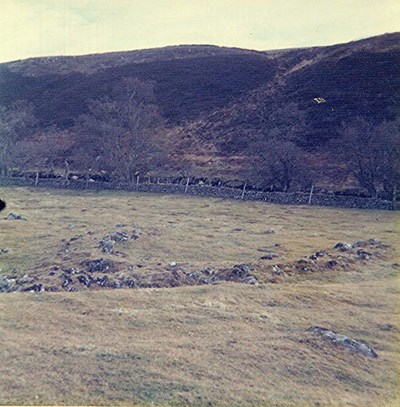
316, 255
241, 270
35, 288
208, 271
374, 241
239, 273
363, 255
369, 242
193, 274
7, 284
302, 265
206, 281
250, 280
65, 280
3, 250
269, 231
119, 237
122, 283
276, 270
343, 247
98, 265
386, 327
25, 279
351, 344
102, 281
14, 216
268, 256
70, 271
331, 263
52, 288
106, 245
135, 235
86, 280
72, 279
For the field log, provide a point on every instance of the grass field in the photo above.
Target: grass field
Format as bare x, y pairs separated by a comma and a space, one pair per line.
225, 344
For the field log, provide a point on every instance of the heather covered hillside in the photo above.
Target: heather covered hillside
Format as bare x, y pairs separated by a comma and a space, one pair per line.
282, 119
199, 81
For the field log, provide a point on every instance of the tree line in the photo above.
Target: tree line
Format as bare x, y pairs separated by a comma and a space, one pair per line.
124, 136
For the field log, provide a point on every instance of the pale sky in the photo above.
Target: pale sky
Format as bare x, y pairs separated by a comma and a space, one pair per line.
30, 28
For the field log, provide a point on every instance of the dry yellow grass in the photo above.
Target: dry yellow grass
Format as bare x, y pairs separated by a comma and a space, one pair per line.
229, 344
195, 231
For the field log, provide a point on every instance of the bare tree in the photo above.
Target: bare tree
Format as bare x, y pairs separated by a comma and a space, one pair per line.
122, 135
45, 152
188, 168
278, 164
276, 160
372, 154
15, 122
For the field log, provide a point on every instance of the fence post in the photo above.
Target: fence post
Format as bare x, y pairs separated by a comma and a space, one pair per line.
311, 194
37, 179
244, 190
394, 197
187, 185
66, 173
137, 180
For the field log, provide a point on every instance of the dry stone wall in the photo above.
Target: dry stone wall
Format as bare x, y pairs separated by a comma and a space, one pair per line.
285, 198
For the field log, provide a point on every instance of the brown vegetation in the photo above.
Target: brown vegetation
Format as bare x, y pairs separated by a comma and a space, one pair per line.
226, 108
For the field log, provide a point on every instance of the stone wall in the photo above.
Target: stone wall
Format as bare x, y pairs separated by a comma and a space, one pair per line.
297, 198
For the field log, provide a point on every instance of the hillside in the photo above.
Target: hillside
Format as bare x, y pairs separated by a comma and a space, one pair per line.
189, 80
219, 101
356, 79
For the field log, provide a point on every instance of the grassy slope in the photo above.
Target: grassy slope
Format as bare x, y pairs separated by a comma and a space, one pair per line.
228, 343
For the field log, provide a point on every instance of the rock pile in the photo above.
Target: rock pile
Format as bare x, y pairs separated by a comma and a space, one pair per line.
14, 216
98, 265
107, 244
351, 344
106, 273
341, 257
7, 284
11, 283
